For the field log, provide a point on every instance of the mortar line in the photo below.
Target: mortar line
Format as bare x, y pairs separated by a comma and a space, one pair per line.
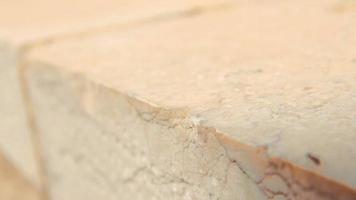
127, 25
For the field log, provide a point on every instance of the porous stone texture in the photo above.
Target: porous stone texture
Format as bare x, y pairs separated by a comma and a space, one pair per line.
29, 23
253, 102
101, 144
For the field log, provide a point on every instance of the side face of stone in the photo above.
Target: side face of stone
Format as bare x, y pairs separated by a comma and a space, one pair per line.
101, 144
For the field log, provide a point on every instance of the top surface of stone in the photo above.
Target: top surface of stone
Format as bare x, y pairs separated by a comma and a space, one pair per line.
24, 21
280, 74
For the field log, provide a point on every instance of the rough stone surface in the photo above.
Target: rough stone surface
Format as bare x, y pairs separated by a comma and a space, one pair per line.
29, 23
264, 91
100, 144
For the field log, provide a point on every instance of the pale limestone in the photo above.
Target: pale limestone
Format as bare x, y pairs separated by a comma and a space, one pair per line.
13, 185
264, 91
101, 144
26, 23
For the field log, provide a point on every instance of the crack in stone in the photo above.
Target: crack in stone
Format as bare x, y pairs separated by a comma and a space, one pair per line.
291, 175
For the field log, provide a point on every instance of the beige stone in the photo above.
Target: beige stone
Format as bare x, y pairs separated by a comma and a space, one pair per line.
29, 23
13, 185
253, 102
